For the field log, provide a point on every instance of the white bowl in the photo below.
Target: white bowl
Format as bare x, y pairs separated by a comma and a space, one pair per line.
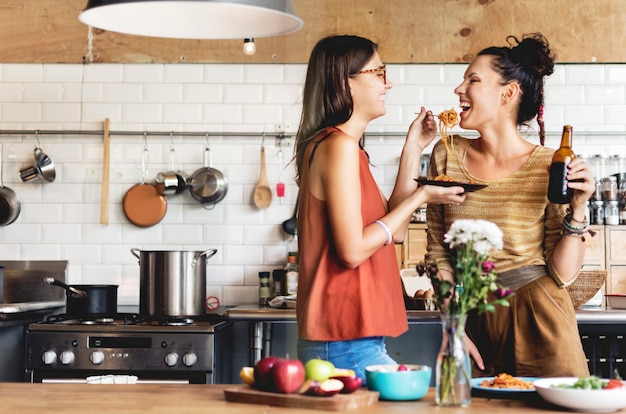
617, 300
592, 401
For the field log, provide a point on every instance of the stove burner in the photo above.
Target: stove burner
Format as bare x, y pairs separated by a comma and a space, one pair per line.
98, 321
175, 321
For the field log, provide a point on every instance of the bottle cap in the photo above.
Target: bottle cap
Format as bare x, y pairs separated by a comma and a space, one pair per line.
264, 275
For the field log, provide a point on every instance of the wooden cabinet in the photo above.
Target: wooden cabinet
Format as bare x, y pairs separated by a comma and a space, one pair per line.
595, 253
616, 259
412, 251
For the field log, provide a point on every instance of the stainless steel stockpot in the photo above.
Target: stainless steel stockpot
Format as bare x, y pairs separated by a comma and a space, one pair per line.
172, 283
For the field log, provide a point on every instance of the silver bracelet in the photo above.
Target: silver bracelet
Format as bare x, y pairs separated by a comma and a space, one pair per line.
384, 226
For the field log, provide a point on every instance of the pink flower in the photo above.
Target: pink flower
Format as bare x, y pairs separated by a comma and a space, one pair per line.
502, 293
488, 266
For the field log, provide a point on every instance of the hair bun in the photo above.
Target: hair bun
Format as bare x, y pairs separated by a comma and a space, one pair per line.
532, 53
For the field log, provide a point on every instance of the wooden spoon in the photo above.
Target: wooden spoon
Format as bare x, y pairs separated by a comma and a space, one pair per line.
262, 191
104, 193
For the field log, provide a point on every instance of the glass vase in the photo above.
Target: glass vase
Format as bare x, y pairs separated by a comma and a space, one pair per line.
453, 371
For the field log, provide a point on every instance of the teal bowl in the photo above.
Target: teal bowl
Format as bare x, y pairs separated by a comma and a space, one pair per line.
396, 385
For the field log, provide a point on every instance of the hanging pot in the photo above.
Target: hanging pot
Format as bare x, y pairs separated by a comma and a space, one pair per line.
143, 205
10, 205
172, 283
88, 300
208, 185
173, 181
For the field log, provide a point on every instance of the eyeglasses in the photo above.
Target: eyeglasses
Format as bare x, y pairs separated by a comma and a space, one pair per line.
380, 71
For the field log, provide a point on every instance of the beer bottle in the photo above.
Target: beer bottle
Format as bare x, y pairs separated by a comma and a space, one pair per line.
558, 192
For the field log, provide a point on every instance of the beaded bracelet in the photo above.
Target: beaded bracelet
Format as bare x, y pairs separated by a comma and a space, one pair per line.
384, 226
577, 231
567, 222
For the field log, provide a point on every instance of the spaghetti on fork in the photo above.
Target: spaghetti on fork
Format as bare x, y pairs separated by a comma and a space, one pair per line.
447, 120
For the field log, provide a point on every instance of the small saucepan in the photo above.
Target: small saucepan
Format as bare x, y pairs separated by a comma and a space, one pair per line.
174, 181
43, 168
207, 184
88, 300
10, 205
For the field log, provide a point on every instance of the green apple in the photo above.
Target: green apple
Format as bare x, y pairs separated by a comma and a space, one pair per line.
319, 369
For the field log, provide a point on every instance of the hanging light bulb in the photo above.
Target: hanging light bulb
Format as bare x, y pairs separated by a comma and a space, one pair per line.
193, 19
249, 48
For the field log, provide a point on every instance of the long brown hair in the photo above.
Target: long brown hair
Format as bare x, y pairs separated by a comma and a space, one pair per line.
326, 99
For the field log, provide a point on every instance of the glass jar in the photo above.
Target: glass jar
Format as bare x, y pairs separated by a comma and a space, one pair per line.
622, 213
621, 191
597, 194
597, 166
612, 165
611, 213
609, 188
596, 215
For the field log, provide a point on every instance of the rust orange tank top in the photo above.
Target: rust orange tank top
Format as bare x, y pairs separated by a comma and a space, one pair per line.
335, 302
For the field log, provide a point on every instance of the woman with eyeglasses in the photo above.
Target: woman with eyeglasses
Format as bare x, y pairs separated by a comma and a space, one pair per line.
349, 288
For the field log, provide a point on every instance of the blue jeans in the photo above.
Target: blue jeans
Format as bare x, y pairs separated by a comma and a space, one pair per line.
354, 354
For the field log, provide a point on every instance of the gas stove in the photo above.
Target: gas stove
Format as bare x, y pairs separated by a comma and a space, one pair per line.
131, 322
67, 347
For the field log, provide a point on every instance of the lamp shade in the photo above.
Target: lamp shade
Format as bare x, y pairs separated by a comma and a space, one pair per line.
193, 19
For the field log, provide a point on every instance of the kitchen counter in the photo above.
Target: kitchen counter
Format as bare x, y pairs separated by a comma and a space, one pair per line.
255, 313
273, 332
194, 399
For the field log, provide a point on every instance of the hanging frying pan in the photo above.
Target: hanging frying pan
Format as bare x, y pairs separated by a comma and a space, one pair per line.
10, 205
143, 205
207, 184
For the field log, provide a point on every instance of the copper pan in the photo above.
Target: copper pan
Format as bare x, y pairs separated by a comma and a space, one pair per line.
143, 205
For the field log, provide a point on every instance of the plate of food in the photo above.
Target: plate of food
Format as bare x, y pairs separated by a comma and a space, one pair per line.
469, 187
503, 386
589, 394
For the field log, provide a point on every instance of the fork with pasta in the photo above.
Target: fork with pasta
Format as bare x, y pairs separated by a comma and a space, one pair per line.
448, 119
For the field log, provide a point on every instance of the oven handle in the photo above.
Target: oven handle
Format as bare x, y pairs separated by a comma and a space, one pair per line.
84, 381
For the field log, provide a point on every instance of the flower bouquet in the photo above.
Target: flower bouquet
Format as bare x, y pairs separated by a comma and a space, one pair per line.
473, 278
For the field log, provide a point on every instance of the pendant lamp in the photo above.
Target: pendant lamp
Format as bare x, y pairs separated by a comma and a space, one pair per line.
193, 19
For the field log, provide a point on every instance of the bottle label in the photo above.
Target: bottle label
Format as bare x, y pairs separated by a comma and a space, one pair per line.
564, 176
291, 279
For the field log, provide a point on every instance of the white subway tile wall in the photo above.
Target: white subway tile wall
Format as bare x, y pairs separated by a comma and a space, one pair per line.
60, 220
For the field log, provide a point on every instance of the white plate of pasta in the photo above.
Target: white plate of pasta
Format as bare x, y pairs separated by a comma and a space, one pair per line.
508, 387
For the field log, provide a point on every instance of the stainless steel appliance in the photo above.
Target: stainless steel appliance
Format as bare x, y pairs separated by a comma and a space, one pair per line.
177, 350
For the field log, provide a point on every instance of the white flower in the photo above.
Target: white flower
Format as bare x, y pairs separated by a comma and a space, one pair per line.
484, 235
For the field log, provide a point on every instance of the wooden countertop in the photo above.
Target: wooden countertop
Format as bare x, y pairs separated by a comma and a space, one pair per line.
26, 398
255, 313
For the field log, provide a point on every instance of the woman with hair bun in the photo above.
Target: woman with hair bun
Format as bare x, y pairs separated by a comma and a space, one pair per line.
537, 336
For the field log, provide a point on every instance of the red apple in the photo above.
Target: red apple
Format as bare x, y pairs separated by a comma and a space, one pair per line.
402, 368
327, 388
263, 373
350, 383
319, 369
287, 375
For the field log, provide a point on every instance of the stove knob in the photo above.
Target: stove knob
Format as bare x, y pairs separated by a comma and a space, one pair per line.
66, 357
49, 357
97, 357
171, 359
190, 359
